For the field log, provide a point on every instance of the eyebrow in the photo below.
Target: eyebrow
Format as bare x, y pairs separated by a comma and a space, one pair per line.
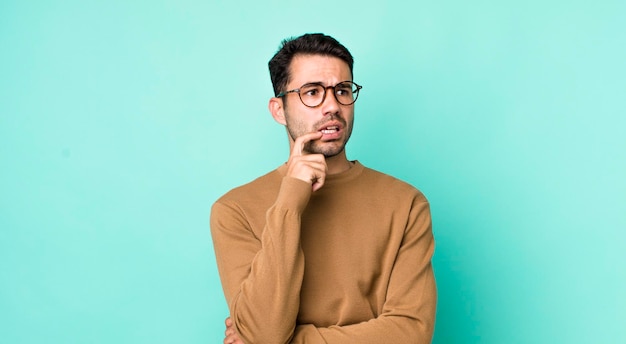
321, 83
314, 83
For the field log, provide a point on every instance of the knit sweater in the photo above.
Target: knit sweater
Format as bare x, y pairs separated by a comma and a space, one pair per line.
349, 263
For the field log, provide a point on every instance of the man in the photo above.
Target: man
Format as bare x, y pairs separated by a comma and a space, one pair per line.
323, 249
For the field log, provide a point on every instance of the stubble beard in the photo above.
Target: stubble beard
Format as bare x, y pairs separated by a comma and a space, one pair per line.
327, 148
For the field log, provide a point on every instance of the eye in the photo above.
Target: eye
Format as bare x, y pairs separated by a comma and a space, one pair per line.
312, 92
343, 90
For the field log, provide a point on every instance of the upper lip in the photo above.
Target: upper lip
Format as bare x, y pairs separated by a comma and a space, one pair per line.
331, 124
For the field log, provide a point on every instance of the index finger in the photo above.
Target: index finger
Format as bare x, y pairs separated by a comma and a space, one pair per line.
298, 145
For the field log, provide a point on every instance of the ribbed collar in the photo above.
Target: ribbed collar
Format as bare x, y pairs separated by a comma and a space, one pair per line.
335, 179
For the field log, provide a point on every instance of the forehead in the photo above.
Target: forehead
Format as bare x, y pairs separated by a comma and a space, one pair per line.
328, 70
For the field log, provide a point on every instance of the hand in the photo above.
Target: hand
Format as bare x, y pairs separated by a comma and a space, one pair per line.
232, 337
310, 168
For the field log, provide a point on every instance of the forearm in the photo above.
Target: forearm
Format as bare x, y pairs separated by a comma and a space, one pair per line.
379, 333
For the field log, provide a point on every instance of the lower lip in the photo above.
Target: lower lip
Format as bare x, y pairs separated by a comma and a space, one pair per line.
331, 136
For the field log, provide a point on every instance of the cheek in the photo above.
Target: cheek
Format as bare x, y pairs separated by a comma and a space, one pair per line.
301, 121
349, 118
296, 126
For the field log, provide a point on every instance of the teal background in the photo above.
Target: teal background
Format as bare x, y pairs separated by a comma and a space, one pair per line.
122, 122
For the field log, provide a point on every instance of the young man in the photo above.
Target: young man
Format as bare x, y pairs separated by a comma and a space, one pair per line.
322, 249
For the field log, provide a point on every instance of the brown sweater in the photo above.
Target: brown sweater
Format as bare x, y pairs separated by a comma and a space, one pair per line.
350, 263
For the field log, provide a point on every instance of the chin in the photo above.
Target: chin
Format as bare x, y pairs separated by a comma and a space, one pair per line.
328, 152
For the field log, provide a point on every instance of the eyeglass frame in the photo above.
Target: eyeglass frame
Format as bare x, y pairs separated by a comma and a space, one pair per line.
297, 90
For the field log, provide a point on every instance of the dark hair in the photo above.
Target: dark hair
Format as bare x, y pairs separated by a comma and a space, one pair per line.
311, 44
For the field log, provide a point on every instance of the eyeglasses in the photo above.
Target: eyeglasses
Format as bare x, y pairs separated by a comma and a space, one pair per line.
313, 94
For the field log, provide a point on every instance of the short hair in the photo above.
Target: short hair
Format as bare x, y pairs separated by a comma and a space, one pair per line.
307, 44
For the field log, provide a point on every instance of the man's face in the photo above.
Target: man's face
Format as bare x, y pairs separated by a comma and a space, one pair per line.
331, 118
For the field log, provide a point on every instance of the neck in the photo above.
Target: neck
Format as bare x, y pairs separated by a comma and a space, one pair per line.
338, 163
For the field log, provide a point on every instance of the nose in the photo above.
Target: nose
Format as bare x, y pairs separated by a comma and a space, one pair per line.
330, 105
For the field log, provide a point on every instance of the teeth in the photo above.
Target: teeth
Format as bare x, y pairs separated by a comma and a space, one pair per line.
330, 130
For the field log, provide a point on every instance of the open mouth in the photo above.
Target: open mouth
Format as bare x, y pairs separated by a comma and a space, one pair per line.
330, 130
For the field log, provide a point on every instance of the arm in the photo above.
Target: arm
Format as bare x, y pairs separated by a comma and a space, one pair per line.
409, 311
262, 277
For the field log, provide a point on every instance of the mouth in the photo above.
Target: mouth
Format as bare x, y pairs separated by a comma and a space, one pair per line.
331, 129
330, 132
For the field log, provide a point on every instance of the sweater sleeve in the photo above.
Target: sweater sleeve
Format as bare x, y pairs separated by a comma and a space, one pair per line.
409, 309
262, 277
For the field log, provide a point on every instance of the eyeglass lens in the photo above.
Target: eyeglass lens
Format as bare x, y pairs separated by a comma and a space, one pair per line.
313, 94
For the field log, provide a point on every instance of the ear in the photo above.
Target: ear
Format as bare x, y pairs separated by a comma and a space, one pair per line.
276, 109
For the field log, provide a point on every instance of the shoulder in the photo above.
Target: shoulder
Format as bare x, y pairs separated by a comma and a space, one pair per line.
386, 184
255, 191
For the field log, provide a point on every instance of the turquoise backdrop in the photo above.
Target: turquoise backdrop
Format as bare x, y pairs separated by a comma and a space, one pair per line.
121, 122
